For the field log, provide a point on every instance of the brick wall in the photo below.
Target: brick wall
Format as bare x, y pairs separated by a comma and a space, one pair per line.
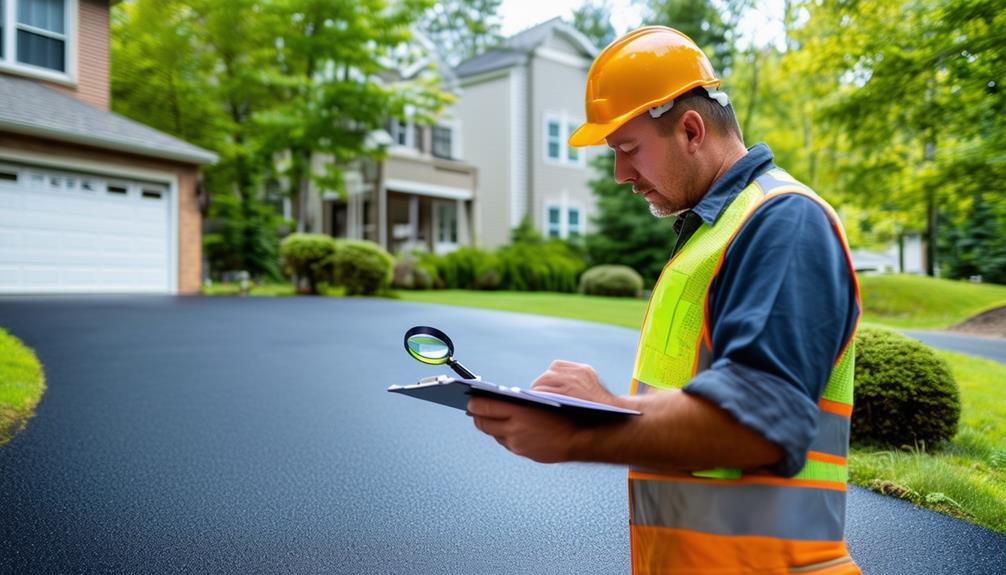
189, 218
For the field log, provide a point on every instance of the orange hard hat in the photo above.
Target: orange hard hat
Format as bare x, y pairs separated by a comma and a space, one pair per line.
643, 69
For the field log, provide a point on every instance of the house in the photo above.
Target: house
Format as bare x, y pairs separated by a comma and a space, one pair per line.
420, 196
90, 201
519, 104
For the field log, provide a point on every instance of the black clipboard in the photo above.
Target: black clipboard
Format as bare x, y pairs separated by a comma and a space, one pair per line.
455, 392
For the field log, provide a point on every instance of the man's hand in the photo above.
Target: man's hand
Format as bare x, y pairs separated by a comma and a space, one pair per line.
537, 433
575, 379
532, 432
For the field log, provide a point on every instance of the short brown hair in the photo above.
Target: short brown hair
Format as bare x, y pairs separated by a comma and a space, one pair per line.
721, 118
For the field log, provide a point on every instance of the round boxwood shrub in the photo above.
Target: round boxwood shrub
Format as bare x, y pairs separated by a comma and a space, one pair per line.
307, 257
905, 394
611, 280
363, 267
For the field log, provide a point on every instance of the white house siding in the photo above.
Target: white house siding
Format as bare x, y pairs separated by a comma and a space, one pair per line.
558, 91
487, 132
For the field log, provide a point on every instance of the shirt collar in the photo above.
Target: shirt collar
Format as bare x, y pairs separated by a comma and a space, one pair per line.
756, 162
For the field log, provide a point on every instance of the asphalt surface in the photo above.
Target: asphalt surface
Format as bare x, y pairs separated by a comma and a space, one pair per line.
228, 435
990, 347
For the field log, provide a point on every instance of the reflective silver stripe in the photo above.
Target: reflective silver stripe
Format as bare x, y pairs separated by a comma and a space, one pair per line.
832, 434
797, 513
822, 565
769, 182
705, 357
642, 387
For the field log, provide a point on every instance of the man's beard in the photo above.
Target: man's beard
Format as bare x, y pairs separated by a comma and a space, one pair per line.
662, 211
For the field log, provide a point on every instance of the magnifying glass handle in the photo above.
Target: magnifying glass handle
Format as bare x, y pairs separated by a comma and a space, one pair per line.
460, 369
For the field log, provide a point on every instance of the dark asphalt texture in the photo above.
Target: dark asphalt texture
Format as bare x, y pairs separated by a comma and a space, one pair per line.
989, 347
230, 435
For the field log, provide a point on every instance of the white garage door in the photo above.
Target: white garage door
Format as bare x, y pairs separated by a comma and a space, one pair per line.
66, 232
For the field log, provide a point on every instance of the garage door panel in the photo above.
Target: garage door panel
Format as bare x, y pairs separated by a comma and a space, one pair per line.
56, 236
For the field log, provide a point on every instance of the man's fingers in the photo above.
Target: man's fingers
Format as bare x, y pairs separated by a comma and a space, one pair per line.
487, 408
494, 427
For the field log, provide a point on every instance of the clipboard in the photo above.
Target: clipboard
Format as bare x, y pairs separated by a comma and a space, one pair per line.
455, 392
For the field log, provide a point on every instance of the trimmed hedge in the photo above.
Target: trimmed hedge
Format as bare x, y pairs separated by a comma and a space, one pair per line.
544, 267
905, 395
411, 273
363, 267
308, 257
611, 280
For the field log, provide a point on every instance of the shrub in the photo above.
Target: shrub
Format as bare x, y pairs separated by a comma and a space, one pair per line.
363, 267
547, 267
308, 257
411, 274
905, 394
611, 280
470, 268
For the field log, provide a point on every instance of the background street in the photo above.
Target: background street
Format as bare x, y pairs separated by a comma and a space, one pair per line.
230, 435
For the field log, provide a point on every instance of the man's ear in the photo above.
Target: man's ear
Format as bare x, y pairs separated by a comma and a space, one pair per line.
694, 129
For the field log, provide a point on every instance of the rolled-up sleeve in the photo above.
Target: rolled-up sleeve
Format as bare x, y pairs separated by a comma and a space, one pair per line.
780, 311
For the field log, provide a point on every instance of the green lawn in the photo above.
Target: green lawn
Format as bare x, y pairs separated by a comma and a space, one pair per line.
21, 385
967, 478
908, 301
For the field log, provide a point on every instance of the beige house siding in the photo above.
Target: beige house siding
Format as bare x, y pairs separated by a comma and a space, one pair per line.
558, 92
92, 55
189, 218
484, 109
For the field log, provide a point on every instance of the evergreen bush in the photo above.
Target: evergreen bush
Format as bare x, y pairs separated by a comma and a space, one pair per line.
363, 267
611, 280
308, 257
905, 395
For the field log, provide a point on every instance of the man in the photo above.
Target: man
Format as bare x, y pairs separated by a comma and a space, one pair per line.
744, 367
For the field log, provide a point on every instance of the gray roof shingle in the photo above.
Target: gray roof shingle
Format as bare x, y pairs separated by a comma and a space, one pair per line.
27, 107
517, 48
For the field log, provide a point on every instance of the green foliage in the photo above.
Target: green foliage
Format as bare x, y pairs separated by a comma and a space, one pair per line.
905, 395
594, 22
923, 302
526, 233
362, 267
977, 244
625, 232
470, 268
462, 29
308, 257
550, 266
712, 25
611, 280
410, 273
21, 385
242, 234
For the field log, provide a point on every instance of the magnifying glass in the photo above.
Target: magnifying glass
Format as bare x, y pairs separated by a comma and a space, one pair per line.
432, 346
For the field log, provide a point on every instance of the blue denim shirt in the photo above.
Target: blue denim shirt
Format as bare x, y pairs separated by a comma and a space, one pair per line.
780, 311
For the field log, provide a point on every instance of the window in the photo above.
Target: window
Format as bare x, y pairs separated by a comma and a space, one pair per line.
447, 223
558, 128
35, 35
401, 132
554, 223
572, 152
442, 142
553, 144
574, 221
420, 138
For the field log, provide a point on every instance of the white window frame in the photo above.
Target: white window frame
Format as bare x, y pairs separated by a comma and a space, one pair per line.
569, 224
564, 207
9, 61
548, 221
567, 123
433, 140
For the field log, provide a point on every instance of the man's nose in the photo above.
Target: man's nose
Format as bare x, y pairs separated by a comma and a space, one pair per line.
624, 173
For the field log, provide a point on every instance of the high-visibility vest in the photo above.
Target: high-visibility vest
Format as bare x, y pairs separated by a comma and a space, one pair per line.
725, 521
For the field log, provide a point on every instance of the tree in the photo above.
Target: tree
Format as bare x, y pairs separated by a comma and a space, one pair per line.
625, 230
594, 21
462, 29
711, 25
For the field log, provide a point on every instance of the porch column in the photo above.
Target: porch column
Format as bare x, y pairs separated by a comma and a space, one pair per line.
413, 221
464, 233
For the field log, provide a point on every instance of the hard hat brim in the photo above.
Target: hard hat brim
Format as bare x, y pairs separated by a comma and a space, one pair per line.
592, 134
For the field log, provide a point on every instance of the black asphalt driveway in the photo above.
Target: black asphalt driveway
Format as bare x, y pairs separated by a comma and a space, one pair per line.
227, 435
